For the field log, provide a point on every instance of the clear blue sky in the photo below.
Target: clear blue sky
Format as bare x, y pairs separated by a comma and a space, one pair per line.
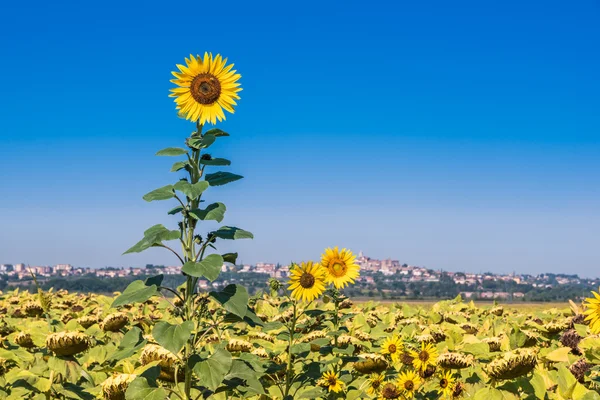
455, 135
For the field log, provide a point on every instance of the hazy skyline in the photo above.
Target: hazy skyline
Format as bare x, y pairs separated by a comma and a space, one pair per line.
451, 139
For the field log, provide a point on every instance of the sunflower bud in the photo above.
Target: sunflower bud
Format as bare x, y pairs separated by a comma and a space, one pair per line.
114, 322
114, 388
67, 343
513, 364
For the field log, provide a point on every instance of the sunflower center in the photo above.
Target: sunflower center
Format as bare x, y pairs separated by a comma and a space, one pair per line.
444, 383
409, 385
205, 88
423, 356
307, 280
375, 384
338, 269
332, 380
392, 348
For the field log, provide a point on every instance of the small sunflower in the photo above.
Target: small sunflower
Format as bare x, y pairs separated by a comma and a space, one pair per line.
592, 312
307, 281
424, 358
205, 87
375, 382
331, 380
446, 384
340, 266
409, 382
393, 347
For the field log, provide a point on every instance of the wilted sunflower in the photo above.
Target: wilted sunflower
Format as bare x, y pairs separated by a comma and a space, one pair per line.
446, 384
393, 347
424, 358
592, 312
373, 363
114, 387
114, 322
340, 266
331, 380
205, 87
453, 360
307, 281
513, 364
390, 391
408, 382
67, 343
375, 382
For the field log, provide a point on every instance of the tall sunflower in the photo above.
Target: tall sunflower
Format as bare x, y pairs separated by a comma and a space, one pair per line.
592, 310
331, 381
205, 87
375, 382
424, 358
393, 347
340, 266
307, 281
446, 384
409, 382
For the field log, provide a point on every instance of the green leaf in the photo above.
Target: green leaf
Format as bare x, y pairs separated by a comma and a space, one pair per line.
193, 191
216, 132
179, 165
215, 161
230, 258
140, 389
241, 370
132, 341
172, 151
163, 193
559, 355
154, 236
234, 298
172, 337
221, 178
214, 212
136, 292
204, 142
213, 370
493, 394
232, 233
210, 267
539, 385
176, 210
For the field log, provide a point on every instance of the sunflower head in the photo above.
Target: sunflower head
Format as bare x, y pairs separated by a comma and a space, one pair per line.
390, 390
453, 360
307, 281
408, 383
513, 364
392, 346
331, 380
114, 387
33, 309
425, 357
375, 382
446, 384
372, 363
238, 345
340, 266
24, 340
67, 343
167, 361
494, 343
114, 322
205, 86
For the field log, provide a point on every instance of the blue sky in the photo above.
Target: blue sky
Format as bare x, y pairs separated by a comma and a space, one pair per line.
461, 136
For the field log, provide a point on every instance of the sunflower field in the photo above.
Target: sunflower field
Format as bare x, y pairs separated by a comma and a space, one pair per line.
300, 339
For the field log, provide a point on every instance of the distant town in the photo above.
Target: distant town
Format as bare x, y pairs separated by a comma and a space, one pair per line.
379, 278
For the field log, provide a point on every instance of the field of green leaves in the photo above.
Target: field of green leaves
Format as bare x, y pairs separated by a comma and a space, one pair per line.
78, 346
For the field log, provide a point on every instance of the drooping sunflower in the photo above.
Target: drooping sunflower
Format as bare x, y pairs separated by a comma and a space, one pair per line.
307, 281
446, 384
375, 382
592, 312
331, 380
392, 346
340, 266
205, 87
424, 358
409, 382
